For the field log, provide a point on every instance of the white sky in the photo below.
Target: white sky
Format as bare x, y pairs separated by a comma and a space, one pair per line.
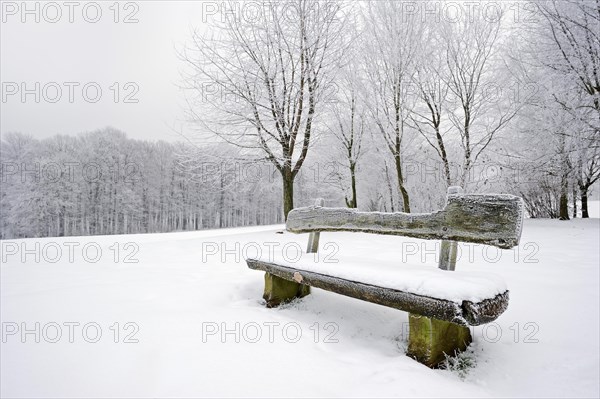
104, 52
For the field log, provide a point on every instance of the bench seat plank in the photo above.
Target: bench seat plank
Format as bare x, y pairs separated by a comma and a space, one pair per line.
472, 308
381, 270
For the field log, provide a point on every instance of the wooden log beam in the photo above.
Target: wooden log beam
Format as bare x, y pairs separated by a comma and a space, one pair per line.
467, 313
449, 249
484, 219
431, 340
279, 290
313, 238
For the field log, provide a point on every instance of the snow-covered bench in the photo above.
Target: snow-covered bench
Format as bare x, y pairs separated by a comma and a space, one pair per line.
441, 304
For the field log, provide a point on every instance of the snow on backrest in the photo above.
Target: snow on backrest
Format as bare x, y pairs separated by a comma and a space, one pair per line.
492, 219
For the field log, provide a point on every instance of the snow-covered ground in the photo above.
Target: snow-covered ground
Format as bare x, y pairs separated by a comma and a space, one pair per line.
191, 320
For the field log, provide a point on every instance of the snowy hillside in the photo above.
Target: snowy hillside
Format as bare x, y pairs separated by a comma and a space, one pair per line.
191, 322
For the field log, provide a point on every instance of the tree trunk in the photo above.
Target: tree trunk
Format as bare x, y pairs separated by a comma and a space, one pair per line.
353, 203
563, 210
405, 199
443, 154
389, 184
584, 202
221, 210
574, 201
288, 191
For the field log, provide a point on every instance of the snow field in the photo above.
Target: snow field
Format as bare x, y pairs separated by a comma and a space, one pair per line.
196, 312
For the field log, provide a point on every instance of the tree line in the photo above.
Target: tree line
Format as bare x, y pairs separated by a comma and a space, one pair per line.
103, 183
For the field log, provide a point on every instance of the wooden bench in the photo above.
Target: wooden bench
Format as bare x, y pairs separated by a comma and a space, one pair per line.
439, 317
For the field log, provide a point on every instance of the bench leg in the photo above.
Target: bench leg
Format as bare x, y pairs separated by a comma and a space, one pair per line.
278, 290
431, 339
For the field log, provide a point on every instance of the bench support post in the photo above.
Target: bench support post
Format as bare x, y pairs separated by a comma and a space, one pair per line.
449, 248
278, 290
431, 340
313, 238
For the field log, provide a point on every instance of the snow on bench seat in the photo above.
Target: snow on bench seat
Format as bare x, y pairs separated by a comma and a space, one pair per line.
426, 280
467, 298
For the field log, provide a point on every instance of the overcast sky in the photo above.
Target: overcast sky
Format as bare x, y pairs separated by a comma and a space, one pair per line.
72, 55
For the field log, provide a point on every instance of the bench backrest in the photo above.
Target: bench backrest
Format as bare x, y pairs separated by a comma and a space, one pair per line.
492, 219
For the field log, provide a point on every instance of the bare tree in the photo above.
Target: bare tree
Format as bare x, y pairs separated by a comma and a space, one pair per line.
588, 174
389, 68
348, 129
270, 75
433, 92
572, 28
473, 65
